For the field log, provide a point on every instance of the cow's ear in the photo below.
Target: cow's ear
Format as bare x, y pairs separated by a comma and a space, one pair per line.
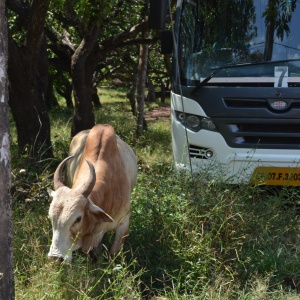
98, 213
51, 193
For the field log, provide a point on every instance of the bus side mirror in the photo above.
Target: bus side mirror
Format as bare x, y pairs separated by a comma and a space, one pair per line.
166, 42
158, 13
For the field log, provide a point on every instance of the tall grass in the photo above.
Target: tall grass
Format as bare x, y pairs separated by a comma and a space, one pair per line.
189, 239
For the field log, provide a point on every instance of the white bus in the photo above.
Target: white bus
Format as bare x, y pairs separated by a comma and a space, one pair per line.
235, 101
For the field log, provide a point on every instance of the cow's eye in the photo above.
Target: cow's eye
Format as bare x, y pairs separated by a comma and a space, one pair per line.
78, 219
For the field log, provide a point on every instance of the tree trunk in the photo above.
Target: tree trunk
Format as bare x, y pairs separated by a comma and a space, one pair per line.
270, 22
142, 77
131, 96
64, 88
66, 92
51, 100
151, 92
6, 250
28, 105
28, 86
95, 97
83, 65
68, 95
162, 91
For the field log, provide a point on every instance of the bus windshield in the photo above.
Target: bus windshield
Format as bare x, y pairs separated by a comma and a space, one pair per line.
217, 33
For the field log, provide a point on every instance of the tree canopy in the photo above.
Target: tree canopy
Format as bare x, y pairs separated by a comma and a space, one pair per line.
71, 46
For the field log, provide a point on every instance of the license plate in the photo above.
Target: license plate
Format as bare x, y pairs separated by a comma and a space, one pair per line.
276, 176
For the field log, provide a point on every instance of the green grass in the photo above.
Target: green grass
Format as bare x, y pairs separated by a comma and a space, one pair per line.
188, 239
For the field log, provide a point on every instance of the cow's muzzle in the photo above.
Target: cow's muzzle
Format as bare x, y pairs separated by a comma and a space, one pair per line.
56, 259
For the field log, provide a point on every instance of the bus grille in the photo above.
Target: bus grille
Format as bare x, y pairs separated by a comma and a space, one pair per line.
247, 134
257, 103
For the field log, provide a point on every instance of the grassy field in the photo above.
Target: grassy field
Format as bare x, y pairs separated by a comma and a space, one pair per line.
188, 239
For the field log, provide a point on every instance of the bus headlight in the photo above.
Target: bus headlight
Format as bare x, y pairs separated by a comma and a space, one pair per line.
208, 124
195, 122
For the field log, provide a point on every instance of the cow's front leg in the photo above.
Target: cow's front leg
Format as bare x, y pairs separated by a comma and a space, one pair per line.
120, 235
91, 244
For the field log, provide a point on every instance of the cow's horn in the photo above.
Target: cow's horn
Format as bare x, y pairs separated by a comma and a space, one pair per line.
58, 177
87, 187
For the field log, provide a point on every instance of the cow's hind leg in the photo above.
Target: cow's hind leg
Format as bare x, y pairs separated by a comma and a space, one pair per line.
120, 235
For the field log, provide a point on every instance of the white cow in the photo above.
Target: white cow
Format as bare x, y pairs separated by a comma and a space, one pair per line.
95, 195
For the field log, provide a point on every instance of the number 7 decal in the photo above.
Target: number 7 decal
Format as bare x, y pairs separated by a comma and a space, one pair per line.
281, 76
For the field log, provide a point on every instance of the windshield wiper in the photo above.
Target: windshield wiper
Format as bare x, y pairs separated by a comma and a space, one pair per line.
224, 67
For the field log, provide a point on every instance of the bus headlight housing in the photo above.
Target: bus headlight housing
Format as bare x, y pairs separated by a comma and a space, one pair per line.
195, 122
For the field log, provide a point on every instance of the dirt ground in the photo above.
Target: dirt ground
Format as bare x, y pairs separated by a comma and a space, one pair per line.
157, 113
